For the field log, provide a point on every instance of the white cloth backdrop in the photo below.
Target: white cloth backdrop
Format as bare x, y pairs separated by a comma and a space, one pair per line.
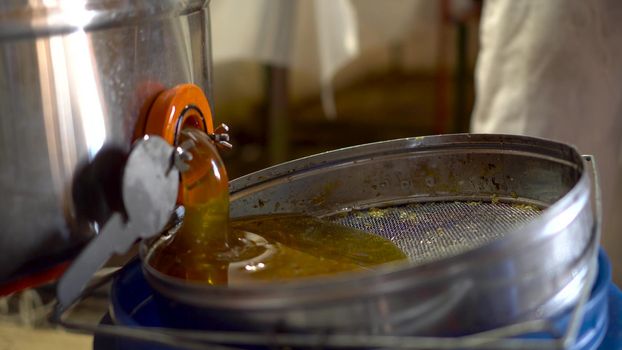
316, 35
553, 69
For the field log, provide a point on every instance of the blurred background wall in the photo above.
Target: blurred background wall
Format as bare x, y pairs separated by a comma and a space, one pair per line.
297, 77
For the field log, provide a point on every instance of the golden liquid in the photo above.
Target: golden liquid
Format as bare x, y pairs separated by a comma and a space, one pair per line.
211, 249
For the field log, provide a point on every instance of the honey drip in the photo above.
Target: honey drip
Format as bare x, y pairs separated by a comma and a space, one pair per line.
210, 248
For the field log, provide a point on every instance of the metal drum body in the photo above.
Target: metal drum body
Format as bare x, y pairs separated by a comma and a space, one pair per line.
76, 76
533, 271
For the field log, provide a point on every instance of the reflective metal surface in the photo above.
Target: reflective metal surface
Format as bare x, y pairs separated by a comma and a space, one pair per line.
533, 271
74, 78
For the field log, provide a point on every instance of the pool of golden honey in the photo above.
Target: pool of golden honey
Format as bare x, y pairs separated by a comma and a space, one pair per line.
210, 248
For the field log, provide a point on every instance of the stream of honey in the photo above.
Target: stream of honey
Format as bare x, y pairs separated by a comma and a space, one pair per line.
210, 248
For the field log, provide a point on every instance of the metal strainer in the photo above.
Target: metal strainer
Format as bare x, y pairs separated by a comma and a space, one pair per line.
428, 232
499, 229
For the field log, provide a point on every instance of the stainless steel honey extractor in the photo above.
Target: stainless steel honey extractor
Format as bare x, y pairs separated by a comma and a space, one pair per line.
75, 78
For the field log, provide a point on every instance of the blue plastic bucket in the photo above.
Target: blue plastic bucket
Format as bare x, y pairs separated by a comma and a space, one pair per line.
596, 313
133, 303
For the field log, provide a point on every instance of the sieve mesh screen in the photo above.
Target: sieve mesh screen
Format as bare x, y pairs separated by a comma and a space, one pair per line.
435, 230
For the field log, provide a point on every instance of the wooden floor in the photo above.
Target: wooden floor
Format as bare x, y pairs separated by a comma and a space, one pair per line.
23, 338
24, 320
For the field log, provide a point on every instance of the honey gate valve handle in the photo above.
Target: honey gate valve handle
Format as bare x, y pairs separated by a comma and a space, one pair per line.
149, 188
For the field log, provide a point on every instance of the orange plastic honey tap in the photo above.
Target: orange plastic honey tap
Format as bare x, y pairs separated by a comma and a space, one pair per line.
183, 106
177, 108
